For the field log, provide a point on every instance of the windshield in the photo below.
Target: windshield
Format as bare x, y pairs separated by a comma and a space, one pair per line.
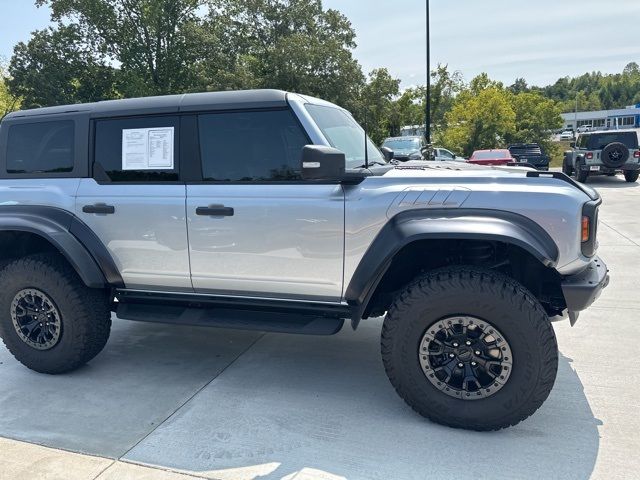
490, 154
402, 144
601, 140
344, 133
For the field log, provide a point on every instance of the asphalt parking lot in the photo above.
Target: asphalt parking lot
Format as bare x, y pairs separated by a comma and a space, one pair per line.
229, 405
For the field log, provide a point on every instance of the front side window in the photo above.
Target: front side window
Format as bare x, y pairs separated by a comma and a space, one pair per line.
45, 147
344, 133
251, 146
143, 149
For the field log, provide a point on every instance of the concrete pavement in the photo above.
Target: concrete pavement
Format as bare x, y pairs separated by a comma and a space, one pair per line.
238, 405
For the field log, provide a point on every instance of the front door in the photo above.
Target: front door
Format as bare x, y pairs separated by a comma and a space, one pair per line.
135, 203
256, 229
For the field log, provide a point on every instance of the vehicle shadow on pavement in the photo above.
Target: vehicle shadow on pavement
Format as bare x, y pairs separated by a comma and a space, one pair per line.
324, 403
618, 181
277, 405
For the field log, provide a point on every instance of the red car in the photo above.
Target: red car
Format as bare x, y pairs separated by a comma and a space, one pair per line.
491, 157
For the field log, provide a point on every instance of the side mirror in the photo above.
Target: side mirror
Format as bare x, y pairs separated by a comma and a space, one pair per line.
322, 163
572, 144
388, 153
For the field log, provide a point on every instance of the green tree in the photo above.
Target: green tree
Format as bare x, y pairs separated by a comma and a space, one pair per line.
482, 117
57, 67
407, 109
374, 109
153, 41
519, 86
535, 117
8, 101
293, 45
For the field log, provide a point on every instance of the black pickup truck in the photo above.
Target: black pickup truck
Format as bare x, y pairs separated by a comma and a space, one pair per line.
531, 153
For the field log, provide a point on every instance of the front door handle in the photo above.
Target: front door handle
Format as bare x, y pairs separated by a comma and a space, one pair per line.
215, 211
102, 208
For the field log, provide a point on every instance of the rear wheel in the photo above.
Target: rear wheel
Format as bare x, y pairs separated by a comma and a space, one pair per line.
581, 174
631, 176
469, 348
49, 320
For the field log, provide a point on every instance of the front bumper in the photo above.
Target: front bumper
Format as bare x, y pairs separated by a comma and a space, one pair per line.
582, 289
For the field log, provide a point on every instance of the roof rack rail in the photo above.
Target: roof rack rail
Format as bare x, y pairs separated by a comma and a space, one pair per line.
565, 178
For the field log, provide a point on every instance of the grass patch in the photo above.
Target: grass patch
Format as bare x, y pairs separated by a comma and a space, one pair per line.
557, 152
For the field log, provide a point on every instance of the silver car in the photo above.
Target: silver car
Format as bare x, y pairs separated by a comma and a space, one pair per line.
272, 211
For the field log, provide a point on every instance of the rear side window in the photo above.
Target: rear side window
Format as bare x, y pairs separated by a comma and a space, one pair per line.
601, 140
143, 149
251, 146
582, 141
45, 147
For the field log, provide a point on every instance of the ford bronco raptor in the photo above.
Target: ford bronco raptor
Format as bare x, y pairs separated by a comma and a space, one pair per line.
605, 152
264, 210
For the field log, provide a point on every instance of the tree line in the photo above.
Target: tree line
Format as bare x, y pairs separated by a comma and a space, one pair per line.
105, 49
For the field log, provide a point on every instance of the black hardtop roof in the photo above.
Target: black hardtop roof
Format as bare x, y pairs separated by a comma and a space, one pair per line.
228, 100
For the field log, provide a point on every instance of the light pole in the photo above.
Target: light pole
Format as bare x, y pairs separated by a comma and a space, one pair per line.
427, 123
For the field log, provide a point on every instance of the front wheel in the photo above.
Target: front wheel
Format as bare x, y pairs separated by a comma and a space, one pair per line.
631, 176
469, 348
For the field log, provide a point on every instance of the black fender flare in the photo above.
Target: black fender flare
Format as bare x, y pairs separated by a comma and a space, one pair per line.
441, 224
67, 233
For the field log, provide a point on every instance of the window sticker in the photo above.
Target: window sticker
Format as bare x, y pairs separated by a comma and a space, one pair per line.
148, 148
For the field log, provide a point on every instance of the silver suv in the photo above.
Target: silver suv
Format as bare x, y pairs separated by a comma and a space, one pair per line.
604, 152
269, 210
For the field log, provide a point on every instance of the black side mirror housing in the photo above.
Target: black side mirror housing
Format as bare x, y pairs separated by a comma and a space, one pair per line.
322, 163
388, 153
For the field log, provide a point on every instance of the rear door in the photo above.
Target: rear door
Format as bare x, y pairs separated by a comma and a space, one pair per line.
255, 228
135, 201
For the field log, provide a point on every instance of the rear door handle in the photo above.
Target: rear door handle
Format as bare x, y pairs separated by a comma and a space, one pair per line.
102, 208
215, 211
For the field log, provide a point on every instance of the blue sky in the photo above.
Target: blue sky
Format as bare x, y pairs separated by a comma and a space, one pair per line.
539, 40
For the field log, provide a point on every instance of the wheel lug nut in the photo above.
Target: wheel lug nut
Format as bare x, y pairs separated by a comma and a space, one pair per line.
467, 343
473, 364
477, 352
455, 344
461, 365
451, 355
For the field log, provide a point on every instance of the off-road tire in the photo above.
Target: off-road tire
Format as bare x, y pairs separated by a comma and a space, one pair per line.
481, 293
567, 169
614, 155
85, 313
581, 175
631, 176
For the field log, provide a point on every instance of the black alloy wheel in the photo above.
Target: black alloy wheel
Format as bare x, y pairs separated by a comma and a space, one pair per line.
465, 357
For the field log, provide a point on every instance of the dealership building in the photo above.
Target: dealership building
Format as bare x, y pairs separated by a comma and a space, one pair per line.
621, 118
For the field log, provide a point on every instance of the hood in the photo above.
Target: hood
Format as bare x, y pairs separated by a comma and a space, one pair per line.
449, 169
406, 152
479, 173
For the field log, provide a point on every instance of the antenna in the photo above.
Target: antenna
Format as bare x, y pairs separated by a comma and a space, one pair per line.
427, 122
366, 143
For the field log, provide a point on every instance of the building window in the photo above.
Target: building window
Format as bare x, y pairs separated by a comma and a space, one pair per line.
627, 121
598, 123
